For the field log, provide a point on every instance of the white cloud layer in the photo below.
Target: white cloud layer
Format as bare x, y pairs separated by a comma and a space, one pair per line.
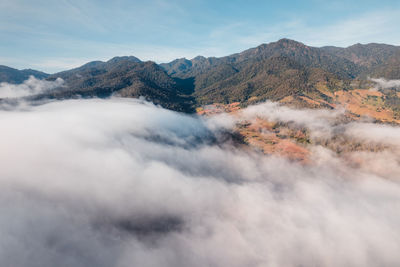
32, 86
124, 183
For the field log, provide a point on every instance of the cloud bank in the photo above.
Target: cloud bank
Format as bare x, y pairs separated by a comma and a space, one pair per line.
122, 182
32, 86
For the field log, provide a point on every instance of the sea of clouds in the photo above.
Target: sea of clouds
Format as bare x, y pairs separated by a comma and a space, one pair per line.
122, 182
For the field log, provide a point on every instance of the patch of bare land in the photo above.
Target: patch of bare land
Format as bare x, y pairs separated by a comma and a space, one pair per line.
296, 141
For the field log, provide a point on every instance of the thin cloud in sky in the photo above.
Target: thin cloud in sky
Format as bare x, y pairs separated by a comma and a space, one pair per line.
161, 30
378, 26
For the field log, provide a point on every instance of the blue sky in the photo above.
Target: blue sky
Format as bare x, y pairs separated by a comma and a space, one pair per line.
61, 34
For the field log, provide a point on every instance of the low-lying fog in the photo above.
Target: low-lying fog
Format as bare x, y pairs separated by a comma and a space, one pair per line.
121, 182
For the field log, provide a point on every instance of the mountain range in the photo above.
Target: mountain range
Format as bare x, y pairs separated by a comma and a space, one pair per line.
272, 71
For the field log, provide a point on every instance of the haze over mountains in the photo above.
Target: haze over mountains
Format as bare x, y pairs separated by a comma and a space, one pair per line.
270, 71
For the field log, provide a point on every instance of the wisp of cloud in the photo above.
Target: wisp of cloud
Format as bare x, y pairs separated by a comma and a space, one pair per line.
32, 86
382, 83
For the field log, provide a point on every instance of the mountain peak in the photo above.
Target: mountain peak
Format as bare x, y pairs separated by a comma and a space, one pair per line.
92, 64
124, 58
285, 42
198, 58
181, 60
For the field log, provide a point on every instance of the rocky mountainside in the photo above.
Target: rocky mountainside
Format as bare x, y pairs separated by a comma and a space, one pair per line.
296, 51
389, 69
364, 55
375, 60
284, 68
125, 77
273, 79
269, 71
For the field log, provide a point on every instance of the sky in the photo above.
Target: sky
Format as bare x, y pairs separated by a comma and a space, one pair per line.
57, 35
